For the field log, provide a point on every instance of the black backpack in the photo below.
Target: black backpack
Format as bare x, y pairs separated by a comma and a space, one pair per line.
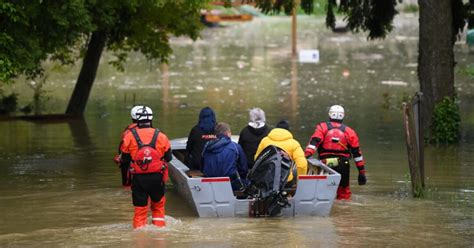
269, 176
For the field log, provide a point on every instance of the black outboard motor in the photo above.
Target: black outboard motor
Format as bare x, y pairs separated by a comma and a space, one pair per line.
268, 178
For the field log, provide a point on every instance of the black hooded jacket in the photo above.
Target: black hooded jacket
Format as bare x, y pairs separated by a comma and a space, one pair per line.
196, 141
198, 136
249, 140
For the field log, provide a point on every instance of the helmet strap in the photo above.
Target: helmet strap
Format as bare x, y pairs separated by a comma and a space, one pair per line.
144, 124
334, 120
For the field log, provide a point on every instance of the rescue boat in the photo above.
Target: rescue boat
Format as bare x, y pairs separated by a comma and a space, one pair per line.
213, 196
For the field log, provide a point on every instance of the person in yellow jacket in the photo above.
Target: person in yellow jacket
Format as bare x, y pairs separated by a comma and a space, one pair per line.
282, 138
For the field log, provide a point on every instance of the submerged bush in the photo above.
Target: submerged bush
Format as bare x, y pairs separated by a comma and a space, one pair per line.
8, 104
445, 125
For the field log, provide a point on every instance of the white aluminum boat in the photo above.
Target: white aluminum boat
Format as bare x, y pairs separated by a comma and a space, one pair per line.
213, 196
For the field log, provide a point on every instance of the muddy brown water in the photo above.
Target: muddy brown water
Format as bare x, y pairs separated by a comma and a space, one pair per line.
60, 188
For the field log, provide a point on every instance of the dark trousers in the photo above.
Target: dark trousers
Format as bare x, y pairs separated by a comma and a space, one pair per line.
147, 185
126, 175
344, 169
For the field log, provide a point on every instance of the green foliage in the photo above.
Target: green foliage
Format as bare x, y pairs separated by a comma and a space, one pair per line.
418, 191
374, 17
363, 15
307, 6
277, 6
34, 31
445, 125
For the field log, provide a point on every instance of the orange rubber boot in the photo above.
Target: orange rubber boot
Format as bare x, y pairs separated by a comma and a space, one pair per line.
158, 212
344, 193
139, 218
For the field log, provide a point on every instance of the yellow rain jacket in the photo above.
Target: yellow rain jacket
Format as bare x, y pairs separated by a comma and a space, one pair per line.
283, 139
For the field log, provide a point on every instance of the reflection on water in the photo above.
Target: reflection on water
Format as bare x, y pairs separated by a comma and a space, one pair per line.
60, 187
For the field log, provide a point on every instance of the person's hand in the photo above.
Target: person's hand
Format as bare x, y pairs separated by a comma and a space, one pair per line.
307, 154
362, 178
117, 159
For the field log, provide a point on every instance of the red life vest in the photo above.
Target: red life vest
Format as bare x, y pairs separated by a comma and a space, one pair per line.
147, 159
335, 141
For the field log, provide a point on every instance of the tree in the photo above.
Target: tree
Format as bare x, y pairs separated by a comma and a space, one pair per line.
439, 25
34, 31
440, 22
124, 26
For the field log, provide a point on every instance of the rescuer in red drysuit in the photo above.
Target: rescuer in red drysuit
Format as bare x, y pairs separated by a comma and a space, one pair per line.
336, 143
148, 150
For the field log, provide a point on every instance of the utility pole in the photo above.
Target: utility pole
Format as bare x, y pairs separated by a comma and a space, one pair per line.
293, 32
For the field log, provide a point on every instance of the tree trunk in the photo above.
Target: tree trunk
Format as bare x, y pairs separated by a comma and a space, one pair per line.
436, 56
90, 64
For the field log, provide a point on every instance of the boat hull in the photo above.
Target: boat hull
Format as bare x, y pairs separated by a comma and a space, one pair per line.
213, 197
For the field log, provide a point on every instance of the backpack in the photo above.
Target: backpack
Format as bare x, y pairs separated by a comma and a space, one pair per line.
268, 177
147, 159
335, 140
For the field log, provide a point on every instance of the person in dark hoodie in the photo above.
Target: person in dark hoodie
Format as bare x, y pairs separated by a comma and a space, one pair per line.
253, 133
224, 158
198, 136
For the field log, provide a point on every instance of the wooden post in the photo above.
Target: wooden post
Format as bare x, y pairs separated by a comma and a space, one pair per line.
412, 150
419, 134
294, 89
293, 32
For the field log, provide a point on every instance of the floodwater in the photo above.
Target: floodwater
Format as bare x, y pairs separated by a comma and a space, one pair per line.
60, 188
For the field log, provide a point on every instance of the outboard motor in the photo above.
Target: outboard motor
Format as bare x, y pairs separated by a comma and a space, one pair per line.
268, 178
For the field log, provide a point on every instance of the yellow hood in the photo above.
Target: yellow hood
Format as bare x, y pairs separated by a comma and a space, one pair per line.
280, 134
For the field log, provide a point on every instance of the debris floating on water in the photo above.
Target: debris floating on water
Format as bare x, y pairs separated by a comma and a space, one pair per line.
199, 87
395, 83
285, 82
180, 96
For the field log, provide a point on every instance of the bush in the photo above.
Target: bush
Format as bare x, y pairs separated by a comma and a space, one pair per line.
8, 104
445, 125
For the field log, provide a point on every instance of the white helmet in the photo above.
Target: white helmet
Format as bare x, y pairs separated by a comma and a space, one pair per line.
133, 112
144, 113
336, 112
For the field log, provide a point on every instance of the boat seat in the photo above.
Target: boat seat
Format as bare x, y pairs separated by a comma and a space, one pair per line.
194, 173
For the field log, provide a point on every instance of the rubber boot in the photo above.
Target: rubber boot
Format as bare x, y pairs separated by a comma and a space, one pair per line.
158, 212
344, 193
139, 218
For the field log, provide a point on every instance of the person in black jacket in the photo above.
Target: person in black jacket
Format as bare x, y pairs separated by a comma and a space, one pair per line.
198, 136
253, 133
